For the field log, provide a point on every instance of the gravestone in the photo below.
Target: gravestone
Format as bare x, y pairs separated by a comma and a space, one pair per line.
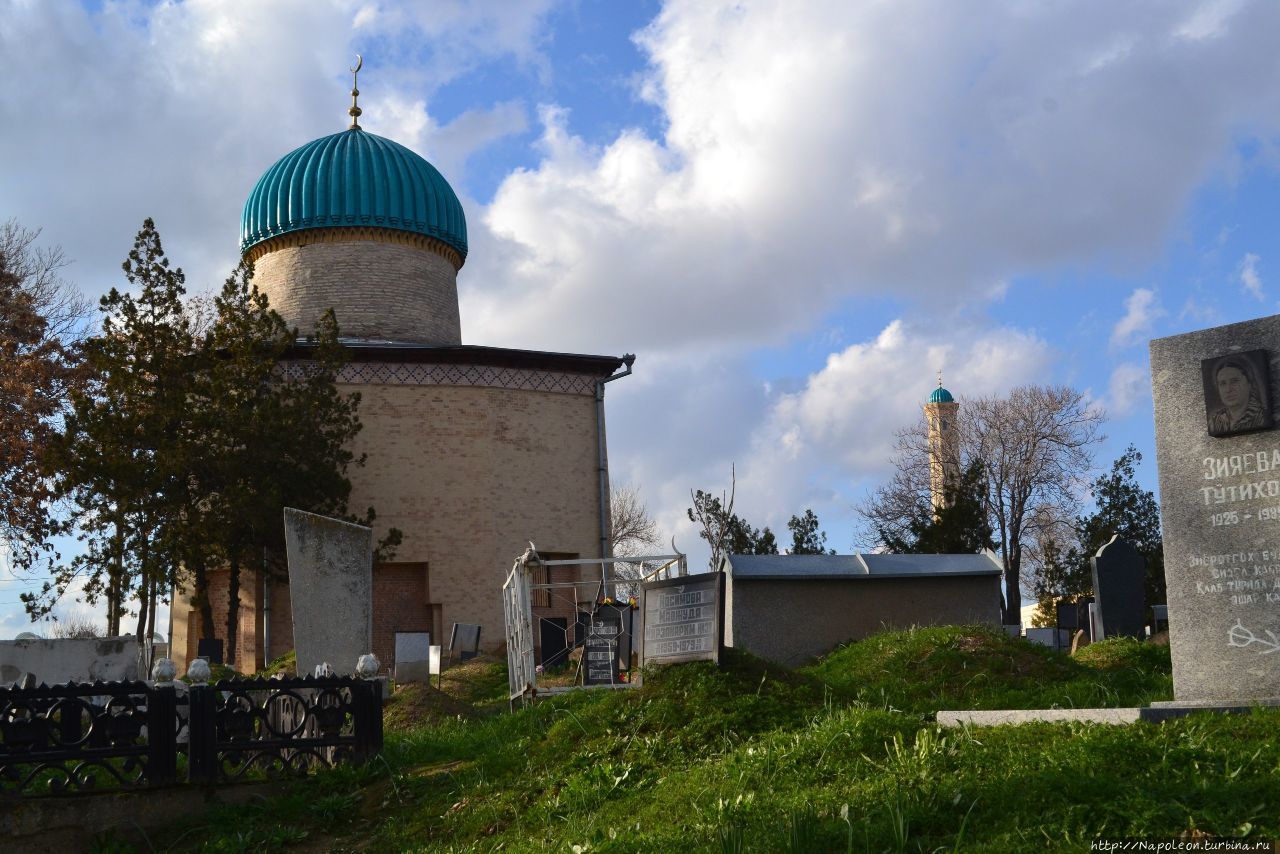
330, 589
464, 640
1159, 618
1119, 575
1052, 637
413, 654
684, 619
210, 649
600, 653
1219, 463
553, 641
1068, 614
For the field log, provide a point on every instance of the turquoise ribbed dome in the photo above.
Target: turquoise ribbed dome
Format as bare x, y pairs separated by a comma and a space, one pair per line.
941, 395
353, 178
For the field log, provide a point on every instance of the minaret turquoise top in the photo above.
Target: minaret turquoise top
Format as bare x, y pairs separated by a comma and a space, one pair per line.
941, 395
353, 178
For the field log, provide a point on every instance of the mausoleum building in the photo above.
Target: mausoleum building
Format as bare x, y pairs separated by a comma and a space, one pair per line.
472, 451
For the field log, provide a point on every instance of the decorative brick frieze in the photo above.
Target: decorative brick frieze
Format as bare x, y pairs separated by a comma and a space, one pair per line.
480, 376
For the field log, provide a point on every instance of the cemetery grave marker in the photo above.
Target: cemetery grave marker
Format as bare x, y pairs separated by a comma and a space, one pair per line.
464, 640
413, 651
331, 589
1219, 464
1119, 575
684, 619
600, 652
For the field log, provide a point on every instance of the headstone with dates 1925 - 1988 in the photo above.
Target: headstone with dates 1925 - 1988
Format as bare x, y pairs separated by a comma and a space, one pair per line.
1219, 462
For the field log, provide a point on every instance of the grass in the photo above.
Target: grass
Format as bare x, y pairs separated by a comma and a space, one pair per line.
839, 756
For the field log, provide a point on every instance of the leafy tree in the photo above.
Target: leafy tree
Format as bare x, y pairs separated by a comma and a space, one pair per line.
1122, 508
960, 526
270, 441
182, 452
806, 538
1035, 445
124, 453
726, 532
40, 315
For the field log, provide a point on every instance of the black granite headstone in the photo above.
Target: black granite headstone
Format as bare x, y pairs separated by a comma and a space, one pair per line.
1118, 575
464, 640
600, 655
553, 641
1068, 615
210, 649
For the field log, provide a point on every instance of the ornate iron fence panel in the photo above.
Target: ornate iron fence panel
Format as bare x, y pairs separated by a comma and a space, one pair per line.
81, 737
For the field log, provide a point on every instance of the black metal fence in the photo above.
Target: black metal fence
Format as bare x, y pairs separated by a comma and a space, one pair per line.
87, 736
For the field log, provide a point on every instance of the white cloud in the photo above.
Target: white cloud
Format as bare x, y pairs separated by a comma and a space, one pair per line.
1249, 277
173, 110
1140, 312
1129, 385
818, 152
685, 421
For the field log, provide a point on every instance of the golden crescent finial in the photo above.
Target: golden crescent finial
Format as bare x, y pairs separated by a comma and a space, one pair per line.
355, 110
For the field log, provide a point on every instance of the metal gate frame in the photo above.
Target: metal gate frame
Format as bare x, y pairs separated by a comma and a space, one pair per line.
517, 605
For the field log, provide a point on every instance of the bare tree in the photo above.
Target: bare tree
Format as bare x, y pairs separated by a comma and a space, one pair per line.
64, 309
1035, 445
76, 627
632, 530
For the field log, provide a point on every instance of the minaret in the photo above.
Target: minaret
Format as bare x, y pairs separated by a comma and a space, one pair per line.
944, 444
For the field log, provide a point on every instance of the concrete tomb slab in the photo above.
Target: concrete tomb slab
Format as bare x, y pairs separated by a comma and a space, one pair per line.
331, 590
1119, 577
58, 660
1219, 464
1155, 713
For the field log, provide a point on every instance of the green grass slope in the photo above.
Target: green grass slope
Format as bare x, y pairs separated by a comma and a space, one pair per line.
841, 756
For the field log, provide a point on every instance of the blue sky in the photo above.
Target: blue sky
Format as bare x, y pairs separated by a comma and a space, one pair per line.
794, 214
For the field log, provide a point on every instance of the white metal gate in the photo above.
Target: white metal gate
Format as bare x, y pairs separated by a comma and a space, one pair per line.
518, 613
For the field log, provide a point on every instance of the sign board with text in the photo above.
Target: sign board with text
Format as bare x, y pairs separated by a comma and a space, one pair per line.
684, 619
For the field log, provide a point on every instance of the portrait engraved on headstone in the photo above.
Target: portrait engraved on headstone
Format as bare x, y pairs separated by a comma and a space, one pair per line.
1237, 392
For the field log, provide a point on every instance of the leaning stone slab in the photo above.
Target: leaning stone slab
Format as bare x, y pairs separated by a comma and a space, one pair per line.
1219, 461
330, 590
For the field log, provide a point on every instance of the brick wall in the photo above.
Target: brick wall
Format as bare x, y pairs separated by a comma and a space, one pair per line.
186, 622
469, 475
378, 290
400, 604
